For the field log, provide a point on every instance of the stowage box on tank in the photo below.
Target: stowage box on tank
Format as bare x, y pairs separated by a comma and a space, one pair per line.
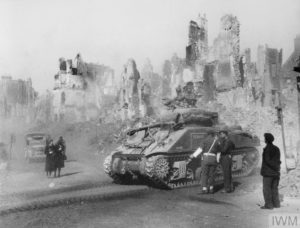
158, 153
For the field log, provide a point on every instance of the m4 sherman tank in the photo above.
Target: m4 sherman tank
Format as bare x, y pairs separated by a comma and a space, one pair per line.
158, 154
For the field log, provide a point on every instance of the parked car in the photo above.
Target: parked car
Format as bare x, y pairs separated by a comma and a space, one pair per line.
35, 146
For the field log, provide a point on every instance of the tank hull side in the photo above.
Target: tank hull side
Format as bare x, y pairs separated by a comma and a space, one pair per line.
169, 171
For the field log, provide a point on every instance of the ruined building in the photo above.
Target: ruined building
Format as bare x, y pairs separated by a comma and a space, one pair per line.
248, 70
177, 67
269, 63
224, 54
17, 98
197, 49
289, 76
226, 50
78, 97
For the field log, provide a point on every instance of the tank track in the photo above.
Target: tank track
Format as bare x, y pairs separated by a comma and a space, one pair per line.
163, 183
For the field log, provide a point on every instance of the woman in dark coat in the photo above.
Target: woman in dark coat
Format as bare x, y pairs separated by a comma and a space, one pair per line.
60, 155
50, 163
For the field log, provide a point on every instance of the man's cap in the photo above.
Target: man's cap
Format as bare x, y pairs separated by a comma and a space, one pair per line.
269, 137
224, 130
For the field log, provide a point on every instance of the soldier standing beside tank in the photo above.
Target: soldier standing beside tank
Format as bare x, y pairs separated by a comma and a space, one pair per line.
270, 170
209, 162
226, 148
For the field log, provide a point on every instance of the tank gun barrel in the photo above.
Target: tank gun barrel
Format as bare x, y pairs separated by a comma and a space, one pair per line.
144, 128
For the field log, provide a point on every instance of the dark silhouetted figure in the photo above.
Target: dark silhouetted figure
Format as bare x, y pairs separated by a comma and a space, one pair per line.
50, 155
60, 155
226, 148
270, 170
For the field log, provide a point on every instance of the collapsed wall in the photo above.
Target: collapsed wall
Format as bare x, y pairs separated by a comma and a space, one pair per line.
226, 50
269, 69
289, 75
17, 98
224, 54
78, 97
197, 49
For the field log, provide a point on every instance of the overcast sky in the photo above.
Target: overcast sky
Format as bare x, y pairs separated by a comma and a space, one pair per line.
35, 33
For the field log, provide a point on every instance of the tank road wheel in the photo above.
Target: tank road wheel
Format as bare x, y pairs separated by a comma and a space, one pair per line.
161, 168
157, 169
157, 166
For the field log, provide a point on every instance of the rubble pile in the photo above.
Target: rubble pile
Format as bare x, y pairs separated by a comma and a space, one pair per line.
289, 184
255, 120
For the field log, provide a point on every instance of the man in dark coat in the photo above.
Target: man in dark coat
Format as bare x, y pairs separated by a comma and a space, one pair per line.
270, 170
226, 148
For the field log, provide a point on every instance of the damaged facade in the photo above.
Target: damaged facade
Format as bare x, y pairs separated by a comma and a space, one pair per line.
269, 69
289, 79
226, 50
289, 75
78, 97
224, 67
197, 49
222, 61
17, 98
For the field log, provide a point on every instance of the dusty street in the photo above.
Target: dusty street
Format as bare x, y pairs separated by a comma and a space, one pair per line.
107, 104
149, 208
159, 208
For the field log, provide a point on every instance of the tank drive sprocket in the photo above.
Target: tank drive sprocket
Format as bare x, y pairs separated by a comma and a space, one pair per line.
117, 178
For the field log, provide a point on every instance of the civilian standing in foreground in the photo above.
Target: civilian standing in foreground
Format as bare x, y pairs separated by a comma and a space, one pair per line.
270, 170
